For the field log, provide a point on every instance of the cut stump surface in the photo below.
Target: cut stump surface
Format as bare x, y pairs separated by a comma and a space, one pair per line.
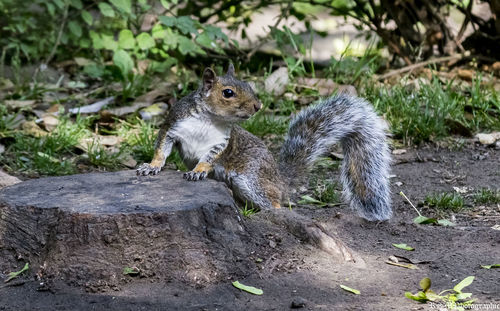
87, 228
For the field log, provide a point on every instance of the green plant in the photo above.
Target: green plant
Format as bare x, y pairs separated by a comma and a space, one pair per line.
8, 122
267, 121
445, 201
349, 69
140, 139
486, 196
326, 191
423, 114
100, 157
51, 154
248, 211
454, 300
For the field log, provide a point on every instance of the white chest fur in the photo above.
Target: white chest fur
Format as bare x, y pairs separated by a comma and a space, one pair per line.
196, 136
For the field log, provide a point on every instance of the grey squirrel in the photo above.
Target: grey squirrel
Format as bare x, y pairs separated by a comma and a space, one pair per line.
203, 127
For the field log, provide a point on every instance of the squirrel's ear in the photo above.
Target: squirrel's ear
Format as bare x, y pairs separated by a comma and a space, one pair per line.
208, 79
230, 69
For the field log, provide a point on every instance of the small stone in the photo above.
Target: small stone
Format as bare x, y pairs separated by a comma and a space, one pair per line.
298, 302
393, 259
277, 82
398, 183
486, 139
398, 151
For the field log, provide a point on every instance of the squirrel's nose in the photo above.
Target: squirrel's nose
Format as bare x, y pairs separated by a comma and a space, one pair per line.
257, 106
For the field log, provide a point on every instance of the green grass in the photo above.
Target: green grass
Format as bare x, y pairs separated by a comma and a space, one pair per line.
270, 121
47, 155
140, 140
445, 201
422, 115
326, 192
487, 196
8, 122
100, 157
247, 211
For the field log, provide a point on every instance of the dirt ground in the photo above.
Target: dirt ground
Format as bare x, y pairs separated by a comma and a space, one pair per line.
291, 272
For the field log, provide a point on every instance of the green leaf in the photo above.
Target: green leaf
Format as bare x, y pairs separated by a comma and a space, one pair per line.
463, 296
87, 17
310, 200
465, 282
59, 3
446, 223
76, 4
123, 61
424, 220
165, 4
186, 25
425, 284
250, 289
403, 246
75, 29
215, 33
126, 39
349, 289
109, 42
96, 40
167, 20
131, 271
158, 32
491, 266
123, 5
106, 9
13, 275
145, 41
186, 46
420, 296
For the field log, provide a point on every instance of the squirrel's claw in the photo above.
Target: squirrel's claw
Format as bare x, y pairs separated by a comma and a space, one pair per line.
146, 169
194, 176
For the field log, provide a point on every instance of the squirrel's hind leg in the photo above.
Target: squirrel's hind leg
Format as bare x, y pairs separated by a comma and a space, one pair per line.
248, 190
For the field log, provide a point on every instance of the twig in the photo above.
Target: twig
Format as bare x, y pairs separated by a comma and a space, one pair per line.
423, 64
59, 35
404, 196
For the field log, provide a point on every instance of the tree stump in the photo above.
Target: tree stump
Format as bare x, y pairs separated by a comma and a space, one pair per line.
87, 228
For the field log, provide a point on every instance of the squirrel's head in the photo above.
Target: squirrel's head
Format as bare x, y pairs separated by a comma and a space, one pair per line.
228, 97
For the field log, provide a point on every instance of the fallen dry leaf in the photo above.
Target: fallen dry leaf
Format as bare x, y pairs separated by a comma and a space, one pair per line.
93, 108
50, 121
466, 74
16, 104
31, 128
7, 180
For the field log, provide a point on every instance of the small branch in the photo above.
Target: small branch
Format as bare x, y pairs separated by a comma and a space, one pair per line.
404, 196
423, 64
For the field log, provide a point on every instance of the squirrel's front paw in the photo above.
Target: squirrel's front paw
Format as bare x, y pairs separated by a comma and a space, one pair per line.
194, 176
146, 169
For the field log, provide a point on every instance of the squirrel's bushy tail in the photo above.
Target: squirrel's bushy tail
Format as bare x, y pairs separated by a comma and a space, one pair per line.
361, 133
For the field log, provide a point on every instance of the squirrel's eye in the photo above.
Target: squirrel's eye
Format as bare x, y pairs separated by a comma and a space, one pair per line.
227, 93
